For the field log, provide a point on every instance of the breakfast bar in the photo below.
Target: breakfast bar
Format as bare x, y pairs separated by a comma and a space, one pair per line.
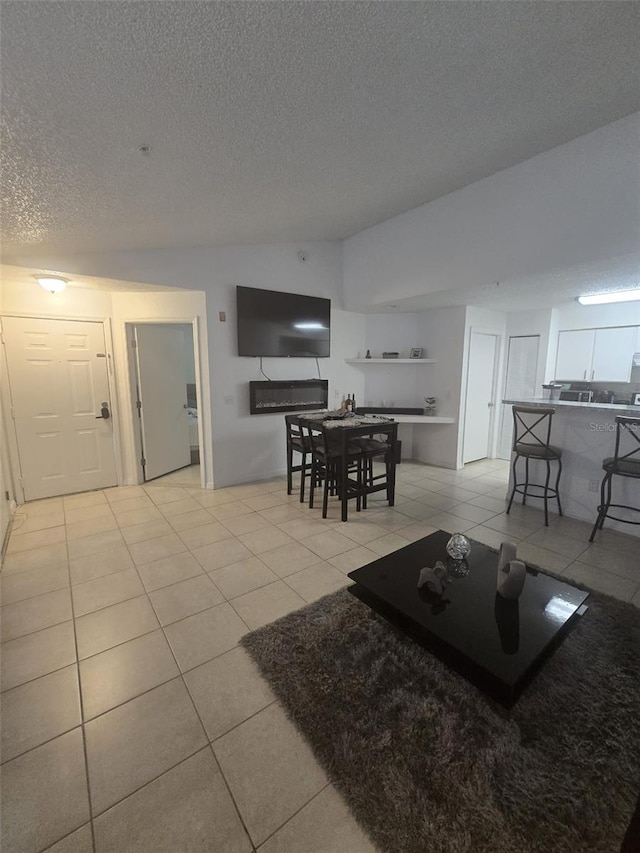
586, 433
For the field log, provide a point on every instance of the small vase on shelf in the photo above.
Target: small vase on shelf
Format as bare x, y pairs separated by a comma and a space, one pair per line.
430, 405
368, 355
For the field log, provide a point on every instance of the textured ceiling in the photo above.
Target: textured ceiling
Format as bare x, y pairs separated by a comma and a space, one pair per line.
556, 289
281, 121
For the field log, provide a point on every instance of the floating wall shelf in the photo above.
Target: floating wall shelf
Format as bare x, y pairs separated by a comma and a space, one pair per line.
390, 360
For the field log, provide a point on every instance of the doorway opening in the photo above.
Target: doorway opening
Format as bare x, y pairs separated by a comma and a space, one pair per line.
164, 383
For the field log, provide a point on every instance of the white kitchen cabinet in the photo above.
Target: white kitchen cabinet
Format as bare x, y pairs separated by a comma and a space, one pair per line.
598, 355
575, 354
613, 354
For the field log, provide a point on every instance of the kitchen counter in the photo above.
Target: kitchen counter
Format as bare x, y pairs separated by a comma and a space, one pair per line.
586, 434
539, 402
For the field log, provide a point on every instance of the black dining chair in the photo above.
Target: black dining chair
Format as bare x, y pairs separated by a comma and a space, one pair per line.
331, 465
346, 456
382, 448
297, 442
625, 462
532, 440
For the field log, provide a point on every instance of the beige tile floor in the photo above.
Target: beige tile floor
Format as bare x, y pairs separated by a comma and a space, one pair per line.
131, 718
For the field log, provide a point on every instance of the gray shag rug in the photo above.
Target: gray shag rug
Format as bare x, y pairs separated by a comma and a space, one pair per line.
428, 764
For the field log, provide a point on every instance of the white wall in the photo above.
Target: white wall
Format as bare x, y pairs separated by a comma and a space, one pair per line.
27, 298
245, 447
442, 332
572, 205
394, 384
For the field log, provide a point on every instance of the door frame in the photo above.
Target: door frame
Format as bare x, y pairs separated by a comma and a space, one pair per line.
133, 424
495, 387
7, 403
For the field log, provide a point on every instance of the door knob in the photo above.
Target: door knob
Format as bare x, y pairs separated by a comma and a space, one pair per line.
105, 414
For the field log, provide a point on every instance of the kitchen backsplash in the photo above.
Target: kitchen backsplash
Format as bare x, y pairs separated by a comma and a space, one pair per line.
622, 391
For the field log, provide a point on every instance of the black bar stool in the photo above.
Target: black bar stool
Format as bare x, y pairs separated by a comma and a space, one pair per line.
297, 442
621, 464
532, 440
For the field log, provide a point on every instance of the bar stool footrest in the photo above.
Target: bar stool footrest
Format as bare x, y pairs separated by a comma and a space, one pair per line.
551, 493
615, 517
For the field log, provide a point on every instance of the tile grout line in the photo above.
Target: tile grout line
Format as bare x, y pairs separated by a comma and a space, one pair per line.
81, 700
209, 744
149, 782
297, 812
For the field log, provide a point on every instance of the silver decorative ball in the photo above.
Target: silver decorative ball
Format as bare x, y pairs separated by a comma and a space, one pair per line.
458, 546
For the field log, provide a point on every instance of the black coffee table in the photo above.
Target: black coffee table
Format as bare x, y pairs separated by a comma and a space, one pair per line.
495, 643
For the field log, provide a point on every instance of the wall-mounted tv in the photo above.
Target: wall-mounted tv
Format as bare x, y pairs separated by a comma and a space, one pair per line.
285, 325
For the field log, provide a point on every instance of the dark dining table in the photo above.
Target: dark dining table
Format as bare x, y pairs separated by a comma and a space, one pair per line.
347, 428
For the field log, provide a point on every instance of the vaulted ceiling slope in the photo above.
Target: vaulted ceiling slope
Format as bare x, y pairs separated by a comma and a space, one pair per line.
157, 124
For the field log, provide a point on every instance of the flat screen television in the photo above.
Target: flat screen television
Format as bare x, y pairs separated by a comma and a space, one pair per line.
285, 325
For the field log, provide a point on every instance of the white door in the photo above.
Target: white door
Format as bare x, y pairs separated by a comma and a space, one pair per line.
575, 353
59, 384
520, 383
480, 393
613, 354
162, 389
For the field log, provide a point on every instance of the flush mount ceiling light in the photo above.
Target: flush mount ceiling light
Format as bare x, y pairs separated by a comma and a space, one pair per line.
609, 296
52, 283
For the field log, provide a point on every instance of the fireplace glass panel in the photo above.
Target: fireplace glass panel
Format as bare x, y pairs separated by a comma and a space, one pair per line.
291, 396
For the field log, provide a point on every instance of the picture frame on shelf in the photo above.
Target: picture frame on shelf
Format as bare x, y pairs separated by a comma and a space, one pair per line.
416, 352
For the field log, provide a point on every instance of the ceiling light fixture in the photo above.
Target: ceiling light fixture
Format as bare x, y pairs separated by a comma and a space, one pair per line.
609, 296
52, 283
